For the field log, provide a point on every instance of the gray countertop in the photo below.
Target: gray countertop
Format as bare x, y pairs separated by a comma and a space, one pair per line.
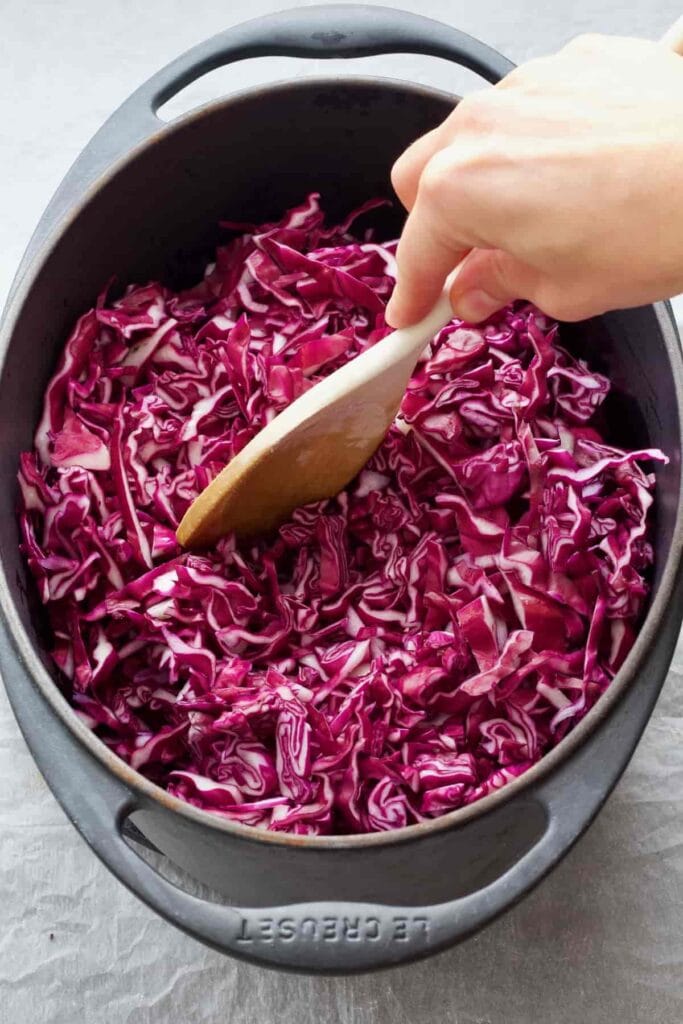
600, 941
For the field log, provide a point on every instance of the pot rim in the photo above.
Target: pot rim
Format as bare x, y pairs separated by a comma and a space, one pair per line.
151, 792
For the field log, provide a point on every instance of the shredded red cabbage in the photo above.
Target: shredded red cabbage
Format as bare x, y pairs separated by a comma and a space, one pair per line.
389, 655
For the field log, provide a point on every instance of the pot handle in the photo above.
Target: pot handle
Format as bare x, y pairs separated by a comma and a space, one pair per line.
337, 937
335, 30
338, 30
334, 937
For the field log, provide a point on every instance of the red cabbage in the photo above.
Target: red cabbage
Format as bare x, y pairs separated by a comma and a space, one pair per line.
388, 655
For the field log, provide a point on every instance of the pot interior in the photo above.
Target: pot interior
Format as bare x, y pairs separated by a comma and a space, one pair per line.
249, 158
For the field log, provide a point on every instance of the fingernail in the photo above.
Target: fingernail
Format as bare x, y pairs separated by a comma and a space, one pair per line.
476, 305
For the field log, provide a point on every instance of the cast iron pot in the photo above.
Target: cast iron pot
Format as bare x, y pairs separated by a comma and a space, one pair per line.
140, 203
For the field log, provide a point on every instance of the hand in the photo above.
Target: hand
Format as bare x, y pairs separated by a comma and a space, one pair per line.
562, 185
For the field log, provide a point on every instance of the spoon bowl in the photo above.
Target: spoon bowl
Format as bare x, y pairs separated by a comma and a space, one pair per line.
317, 444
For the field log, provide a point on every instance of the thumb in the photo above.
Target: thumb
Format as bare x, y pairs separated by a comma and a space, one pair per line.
487, 280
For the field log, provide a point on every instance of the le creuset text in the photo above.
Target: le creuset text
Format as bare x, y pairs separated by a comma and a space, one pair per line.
330, 928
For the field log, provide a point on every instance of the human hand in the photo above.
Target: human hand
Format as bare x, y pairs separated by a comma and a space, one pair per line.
562, 185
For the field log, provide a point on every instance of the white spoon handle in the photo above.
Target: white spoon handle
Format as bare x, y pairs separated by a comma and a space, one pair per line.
409, 340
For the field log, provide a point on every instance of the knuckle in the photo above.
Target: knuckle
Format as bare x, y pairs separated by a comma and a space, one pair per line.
530, 75
437, 177
587, 42
399, 174
473, 112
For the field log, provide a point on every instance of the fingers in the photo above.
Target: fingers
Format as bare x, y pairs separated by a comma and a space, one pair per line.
431, 179
489, 279
405, 174
427, 252
407, 170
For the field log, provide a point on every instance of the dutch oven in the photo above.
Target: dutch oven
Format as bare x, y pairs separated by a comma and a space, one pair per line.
141, 203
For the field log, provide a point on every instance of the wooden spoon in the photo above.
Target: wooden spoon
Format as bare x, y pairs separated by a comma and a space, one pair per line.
317, 444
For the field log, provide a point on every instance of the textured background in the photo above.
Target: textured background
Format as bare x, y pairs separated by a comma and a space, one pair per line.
600, 941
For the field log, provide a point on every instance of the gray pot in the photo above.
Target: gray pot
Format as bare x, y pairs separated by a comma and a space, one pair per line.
142, 201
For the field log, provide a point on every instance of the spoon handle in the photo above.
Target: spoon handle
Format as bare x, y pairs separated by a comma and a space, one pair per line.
409, 341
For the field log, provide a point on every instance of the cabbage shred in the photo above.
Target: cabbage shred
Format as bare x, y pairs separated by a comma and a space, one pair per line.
388, 655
